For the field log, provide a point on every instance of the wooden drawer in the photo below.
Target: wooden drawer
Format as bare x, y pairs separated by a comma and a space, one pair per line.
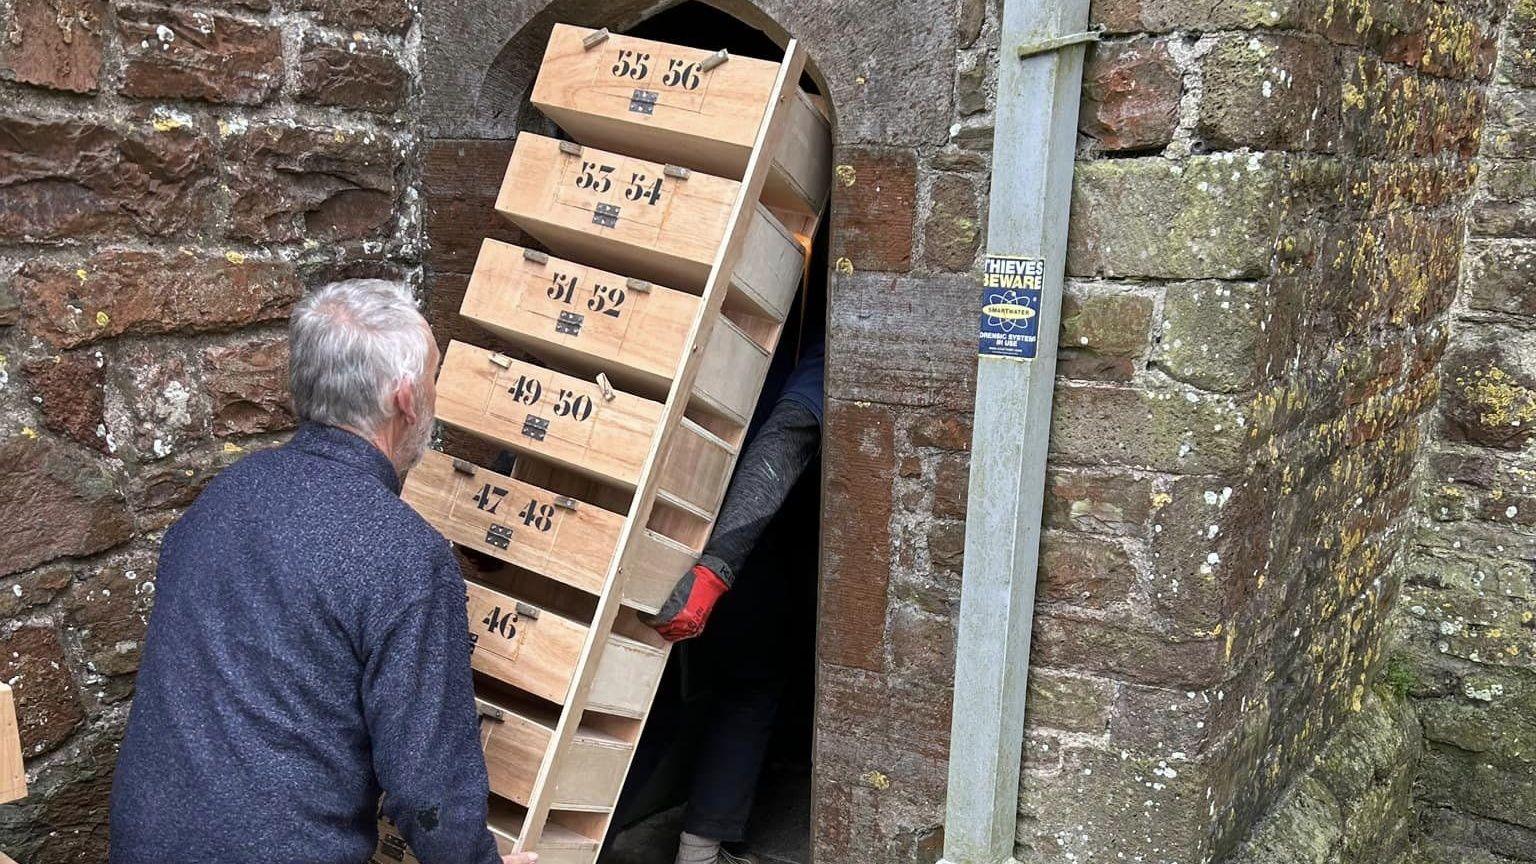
594, 321
576, 547
13, 777
627, 215
515, 740
651, 99
536, 650
560, 845
520, 523
569, 421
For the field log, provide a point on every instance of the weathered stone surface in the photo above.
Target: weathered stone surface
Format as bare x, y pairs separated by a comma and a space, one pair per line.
857, 560
54, 44
47, 707
1490, 399
1209, 217
906, 340
62, 820
1271, 93
874, 194
1158, 16
1104, 331
291, 182
1097, 500
1499, 275
353, 75
249, 383
952, 231
393, 16
81, 179
462, 179
1074, 703
108, 611
1126, 652
31, 590
1131, 94
1165, 431
176, 54
157, 401
70, 387
55, 502
125, 291
1211, 335
1083, 571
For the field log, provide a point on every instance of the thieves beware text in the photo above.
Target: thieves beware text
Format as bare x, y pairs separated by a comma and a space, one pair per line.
1010, 305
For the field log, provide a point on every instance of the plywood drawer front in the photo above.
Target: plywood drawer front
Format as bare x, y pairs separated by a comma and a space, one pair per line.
651, 99
536, 651
768, 271
655, 564
519, 644
588, 777
570, 541
696, 469
617, 212
731, 372
584, 317
546, 413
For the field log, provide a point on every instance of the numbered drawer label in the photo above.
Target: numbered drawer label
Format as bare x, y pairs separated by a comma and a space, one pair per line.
520, 523
581, 316
536, 410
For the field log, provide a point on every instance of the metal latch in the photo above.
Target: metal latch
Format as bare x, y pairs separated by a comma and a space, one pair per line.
535, 256
535, 427
565, 503
569, 323
499, 536
501, 360
489, 712
464, 467
638, 285
676, 172
714, 60
606, 215
643, 101
592, 40
1030, 49
604, 385
526, 611
570, 148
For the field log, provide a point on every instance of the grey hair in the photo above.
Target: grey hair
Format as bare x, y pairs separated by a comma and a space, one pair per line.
352, 344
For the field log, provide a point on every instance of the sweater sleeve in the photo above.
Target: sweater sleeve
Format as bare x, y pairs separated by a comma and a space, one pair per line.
418, 698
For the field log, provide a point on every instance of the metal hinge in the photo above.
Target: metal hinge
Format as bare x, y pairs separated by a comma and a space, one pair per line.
606, 215
499, 536
1030, 49
569, 323
643, 101
535, 427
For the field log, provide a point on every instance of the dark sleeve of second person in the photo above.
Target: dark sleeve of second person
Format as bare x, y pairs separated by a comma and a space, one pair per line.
418, 698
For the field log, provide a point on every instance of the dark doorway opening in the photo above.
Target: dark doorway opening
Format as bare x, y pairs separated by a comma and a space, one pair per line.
773, 605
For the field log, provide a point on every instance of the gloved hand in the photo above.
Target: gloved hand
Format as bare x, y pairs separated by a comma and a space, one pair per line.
693, 597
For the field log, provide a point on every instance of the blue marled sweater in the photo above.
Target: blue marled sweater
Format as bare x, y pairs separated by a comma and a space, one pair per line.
308, 649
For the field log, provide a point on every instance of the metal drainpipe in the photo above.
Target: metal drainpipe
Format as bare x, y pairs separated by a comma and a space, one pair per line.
1039, 78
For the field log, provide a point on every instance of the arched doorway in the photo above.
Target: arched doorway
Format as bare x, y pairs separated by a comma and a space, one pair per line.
461, 177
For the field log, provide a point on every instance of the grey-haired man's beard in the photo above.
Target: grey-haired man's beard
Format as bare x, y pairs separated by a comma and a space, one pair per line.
415, 444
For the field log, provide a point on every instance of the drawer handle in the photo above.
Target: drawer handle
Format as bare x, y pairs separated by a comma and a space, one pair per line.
714, 60
489, 712
676, 172
570, 148
526, 611
501, 360
592, 40
565, 503
463, 467
604, 385
638, 285
535, 256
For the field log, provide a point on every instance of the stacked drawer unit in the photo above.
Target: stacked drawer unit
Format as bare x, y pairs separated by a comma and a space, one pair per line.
674, 231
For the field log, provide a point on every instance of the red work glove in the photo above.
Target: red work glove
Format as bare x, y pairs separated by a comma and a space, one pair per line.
693, 597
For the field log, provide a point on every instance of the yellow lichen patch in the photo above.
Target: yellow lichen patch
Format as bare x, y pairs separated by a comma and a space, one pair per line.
103, 319
234, 257
80, 274
232, 447
846, 174
1499, 400
875, 780
845, 266
29, 432
166, 124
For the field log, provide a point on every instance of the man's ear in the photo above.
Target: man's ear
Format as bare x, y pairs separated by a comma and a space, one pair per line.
405, 401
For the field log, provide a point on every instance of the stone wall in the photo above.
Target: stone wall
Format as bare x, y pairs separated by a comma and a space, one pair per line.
172, 177
1467, 642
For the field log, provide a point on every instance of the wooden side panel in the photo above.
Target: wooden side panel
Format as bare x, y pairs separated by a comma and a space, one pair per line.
617, 212
769, 269
651, 99
731, 373
536, 410
802, 165
580, 316
626, 678
516, 522
13, 775
655, 565
696, 469
558, 845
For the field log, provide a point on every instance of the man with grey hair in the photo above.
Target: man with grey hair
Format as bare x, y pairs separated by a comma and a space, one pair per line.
309, 649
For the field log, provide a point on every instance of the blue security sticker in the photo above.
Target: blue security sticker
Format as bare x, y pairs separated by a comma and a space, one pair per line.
1010, 306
